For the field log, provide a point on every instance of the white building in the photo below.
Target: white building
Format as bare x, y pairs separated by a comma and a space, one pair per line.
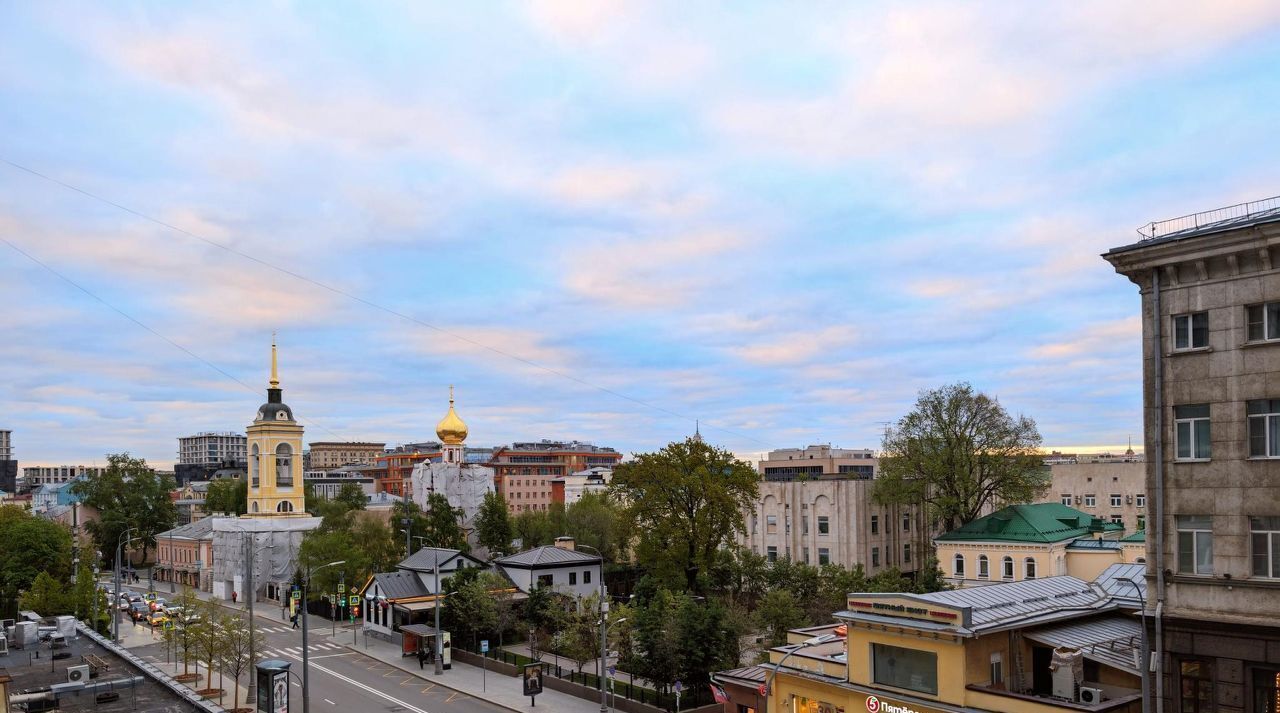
326, 484
560, 567
6, 444
569, 488
410, 593
210, 449
36, 475
464, 484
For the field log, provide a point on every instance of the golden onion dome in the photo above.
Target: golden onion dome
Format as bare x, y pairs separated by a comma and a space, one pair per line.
451, 430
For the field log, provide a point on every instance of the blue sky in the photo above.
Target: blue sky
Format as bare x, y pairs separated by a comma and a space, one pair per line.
782, 219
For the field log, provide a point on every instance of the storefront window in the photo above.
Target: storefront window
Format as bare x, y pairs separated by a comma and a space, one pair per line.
809, 705
905, 668
1195, 686
1266, 691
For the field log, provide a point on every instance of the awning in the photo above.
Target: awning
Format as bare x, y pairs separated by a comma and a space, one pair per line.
1115, 641
416, 606
418, 629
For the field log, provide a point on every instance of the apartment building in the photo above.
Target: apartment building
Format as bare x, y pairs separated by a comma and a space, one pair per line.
817, 462
327, 455
211, 449
8, 466
1114, 490
523, 471
569, 489
34, 476
1210, 308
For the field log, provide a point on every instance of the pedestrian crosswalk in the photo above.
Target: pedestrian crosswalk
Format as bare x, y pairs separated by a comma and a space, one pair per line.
276, 629
279, 651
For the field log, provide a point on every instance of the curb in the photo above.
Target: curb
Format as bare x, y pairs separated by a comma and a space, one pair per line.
433, 680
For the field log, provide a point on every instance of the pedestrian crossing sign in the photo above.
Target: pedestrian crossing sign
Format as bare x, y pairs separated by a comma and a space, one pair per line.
296, 595
354, 600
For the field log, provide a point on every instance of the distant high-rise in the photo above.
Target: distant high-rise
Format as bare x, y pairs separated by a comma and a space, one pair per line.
8, 466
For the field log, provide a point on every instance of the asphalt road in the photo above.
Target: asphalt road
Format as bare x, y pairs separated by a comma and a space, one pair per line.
345, 681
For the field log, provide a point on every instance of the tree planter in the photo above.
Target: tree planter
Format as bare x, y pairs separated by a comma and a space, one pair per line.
187, 677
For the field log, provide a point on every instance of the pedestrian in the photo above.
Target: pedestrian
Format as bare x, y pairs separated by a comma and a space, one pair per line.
233, 597
294, 619
422, 659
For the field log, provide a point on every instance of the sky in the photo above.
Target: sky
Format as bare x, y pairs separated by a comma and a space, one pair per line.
604, 221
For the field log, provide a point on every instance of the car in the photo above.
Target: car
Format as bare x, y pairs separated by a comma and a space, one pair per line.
127, 598
157, 604
157, 618
139, 610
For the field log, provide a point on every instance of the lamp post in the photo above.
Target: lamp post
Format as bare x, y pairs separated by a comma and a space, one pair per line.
615, 697
439, 665
1146, 664
604, 633
306, 702
815, 641
115, 614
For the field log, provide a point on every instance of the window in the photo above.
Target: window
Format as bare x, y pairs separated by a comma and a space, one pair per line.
824, 525
1117, 500
573, 578
1090, 500
1066, 499
875, 556
906, 554
1142, 522
1029, 568
546, 580
1006, 567
284, 469
824, 555
1191, 331
957, 565
1264, 428
983, 567
771, 553
755, 522
586, 576
909, 669
1195, 687
285, 506
997, 669
805, 554
1266, 691
1191, 431
771, 524
1264, 538
1263, 322
906, 523
1140, 500
804, 524
253, 467
1195, 544
875, 524
1117, 519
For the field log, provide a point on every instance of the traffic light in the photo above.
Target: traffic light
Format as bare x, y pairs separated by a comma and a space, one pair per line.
355, 610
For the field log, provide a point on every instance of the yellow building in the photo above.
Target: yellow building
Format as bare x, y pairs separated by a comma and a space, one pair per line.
1041, 646
275, 456
1024, 542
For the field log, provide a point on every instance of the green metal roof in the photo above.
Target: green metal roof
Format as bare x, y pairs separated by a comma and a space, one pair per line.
1139, 536
1036, 522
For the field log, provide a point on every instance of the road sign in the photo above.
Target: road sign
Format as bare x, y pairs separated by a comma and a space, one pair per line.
679, 687
296, 595
354, 600
484, 646
613, 671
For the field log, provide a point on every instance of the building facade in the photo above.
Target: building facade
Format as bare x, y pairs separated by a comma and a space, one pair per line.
462, 483
33, 476
833, 520
326, 484
8, 466
817, 462
327, 455
1210, 308
569, 489
184, 555
1114, 490
523, 471
211, 449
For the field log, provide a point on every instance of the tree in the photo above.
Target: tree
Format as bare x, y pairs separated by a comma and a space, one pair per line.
493, 525
683, 503
593, 521
29, 545
542, 614
207, 637
183, 633
322, 547
956, 452
127, 494
229, 495
351, 497
47, 596
375, 538
238, 655
705, 640
504, 604
655, 653
579, 634
442, 524
778, 613
83, 591
468, 606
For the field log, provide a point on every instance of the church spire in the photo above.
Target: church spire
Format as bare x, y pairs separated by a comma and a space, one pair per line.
275, 374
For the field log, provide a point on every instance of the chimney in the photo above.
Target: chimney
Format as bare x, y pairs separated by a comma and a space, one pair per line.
565, 543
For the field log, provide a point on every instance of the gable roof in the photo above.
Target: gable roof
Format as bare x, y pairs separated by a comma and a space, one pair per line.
547, 556
424, 560
201, 529
1035, 522
398, 585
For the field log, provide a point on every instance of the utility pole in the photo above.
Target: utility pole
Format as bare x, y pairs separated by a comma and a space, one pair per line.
251, 695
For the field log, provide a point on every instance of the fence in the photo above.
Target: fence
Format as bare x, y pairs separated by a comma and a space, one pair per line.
1238, 212
691, 697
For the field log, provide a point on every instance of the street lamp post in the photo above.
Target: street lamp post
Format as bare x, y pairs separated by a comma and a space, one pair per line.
439, 665
815, 641
604, 633
115, 614
1146, 664
306, 580
615, 698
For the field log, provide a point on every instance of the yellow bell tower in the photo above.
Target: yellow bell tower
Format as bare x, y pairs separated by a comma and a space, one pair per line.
275, 456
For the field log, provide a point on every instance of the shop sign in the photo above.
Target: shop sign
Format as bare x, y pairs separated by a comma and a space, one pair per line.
875, 705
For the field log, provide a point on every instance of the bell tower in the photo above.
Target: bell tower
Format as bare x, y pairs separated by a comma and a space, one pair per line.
275, 455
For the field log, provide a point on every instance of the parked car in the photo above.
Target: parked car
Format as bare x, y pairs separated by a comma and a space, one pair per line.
157, 604
139, 610
157, 618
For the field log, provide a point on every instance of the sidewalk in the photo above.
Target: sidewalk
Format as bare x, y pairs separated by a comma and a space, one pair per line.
588, 666
493, 687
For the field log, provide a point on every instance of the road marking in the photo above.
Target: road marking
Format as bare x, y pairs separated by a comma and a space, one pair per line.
428, 688
370, 689
390, 673
330, 702
450, 698
408, 681
329, 656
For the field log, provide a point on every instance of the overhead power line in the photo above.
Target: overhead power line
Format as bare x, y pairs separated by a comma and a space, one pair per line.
340, 292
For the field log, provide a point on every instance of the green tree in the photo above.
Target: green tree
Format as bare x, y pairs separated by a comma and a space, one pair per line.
47, 596
207, 637
778, 613
705, 640
655, 653
443, 528
579, 634
29, 545
127, 494
229, 495
351, 496
493, 525
683, 503
930, 578
593, 521
184, 632
322, 547
469, 608
240, 650
956, 452
83, 591
542, 614
533, 529
382, 549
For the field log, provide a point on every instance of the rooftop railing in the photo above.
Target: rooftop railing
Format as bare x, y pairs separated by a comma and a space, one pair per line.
1195, 221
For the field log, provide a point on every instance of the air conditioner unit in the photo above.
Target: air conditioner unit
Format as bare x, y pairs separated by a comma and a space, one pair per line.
1077, 500
1128, 499
78, 674
1090, 695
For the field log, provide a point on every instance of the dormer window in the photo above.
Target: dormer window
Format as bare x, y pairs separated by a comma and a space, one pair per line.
284, 466
282, 416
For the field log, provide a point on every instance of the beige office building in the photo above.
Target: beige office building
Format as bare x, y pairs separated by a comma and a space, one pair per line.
327, 455
1115, 491
1210, 306
818, 461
